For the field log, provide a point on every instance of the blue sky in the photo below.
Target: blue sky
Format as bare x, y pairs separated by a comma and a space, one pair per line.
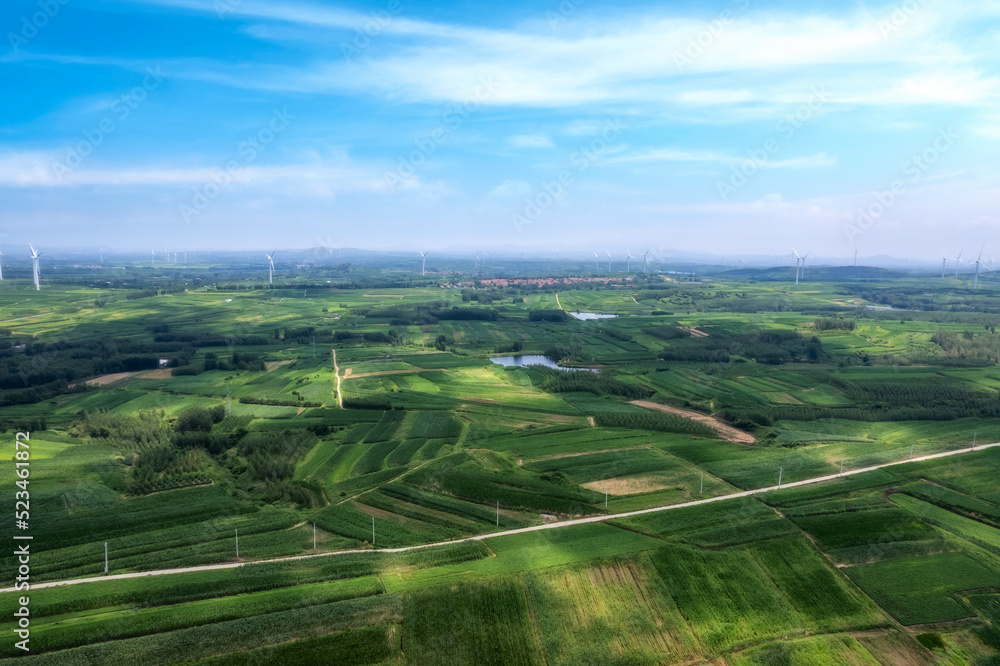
735, 126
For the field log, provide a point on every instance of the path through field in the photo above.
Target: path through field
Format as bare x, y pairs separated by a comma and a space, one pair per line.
558, 304
727, 432
336, 373
522, 530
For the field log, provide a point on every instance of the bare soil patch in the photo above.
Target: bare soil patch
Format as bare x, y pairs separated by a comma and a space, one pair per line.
727, 432
104, 380
159, 373
556, 456
630, 485
694, 330
348, 375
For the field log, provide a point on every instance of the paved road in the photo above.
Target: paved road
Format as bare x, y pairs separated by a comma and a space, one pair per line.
522, 530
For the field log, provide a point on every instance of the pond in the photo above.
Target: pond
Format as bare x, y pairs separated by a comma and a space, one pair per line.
584, 316
532, 359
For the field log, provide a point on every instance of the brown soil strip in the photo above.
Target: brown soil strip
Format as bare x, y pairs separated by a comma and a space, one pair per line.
104, 380
727, 432
695, 331
556, 456
631, 485
162, 373
348, 375
271, 365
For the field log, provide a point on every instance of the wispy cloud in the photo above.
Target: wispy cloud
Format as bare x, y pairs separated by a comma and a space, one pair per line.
38, 169
531, 141
674, 155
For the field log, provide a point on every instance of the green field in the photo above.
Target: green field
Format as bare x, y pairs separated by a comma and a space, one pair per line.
243, 434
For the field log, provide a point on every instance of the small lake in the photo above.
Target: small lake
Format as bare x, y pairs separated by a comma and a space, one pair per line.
585, 316
532, 359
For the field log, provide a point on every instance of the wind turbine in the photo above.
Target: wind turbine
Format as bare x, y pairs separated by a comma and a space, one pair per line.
270, 265
958, 261
609, 260
597, 261
185, 257
645, 258
804, 256
798, 261
423, 262
34, 265
855, 256
628, 261
102, 256
152, 258
975, 284
944, 260
1, 265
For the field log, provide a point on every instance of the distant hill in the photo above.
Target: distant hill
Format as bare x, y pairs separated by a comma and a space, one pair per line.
812, 274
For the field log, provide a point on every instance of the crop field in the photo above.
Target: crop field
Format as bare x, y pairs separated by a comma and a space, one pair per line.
335, 419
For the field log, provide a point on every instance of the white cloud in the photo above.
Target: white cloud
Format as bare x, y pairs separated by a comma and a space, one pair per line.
763, 57
39, 169
676, 155
511, 189
531, 141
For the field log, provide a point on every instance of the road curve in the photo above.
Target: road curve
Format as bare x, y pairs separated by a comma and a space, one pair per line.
522, 530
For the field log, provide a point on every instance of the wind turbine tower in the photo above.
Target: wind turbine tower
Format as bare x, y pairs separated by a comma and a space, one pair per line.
958, 262
609, 260
423, 263
798, 261
270, 265
628, 261
975, 284
597, 261
152, 258
35, 254
944, 261
1, 265
645, 259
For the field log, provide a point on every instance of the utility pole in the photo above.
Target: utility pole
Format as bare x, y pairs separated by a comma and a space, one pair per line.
701, 488
314, 536
105, 557
229, 402
974, 440
373, 531
237, 542
498, 513
911, 451
779, 476
841, 467
605, 497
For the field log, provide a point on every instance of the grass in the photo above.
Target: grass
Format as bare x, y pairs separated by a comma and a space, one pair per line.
74, 630
734, 580
770, 590
920, 590
477, 622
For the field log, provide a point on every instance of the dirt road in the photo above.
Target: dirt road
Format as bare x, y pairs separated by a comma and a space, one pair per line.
727, 432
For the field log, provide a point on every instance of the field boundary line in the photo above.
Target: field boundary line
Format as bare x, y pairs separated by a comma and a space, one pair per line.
520, 530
